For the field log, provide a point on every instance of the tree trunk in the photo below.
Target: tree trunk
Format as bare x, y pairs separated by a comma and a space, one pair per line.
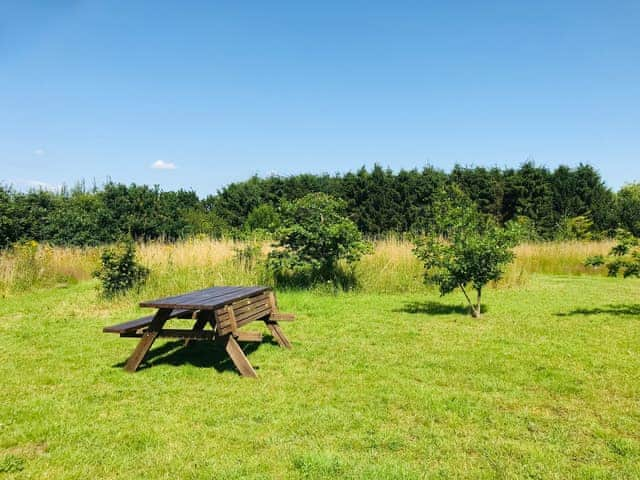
471, 306
477, 308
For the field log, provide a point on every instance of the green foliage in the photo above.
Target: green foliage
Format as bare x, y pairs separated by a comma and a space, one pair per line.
119, 271
624, 258
314, 238
466, 248
629, 208
575, 228
378, 200
264, 217
6, 217
205, 223
247, 255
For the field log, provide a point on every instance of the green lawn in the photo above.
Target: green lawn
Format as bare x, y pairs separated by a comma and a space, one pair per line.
547, 385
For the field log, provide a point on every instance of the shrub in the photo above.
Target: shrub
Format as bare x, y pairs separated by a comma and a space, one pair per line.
575, 228
119, 270
465, 248
624, 258
629, 208
248, 255
263, 217
314, 239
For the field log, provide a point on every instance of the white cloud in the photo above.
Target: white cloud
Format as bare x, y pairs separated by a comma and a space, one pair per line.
39, 152
162, 165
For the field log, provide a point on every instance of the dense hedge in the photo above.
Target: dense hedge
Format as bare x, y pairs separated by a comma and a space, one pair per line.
378, 200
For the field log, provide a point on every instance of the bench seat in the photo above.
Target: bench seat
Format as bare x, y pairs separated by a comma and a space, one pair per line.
139, 323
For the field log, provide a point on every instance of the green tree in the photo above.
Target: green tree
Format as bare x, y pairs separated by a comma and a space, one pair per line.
624, 258
580, 192
263, 217
7, 219
466, 249
119, 271
629, 208
314, 238
528, 193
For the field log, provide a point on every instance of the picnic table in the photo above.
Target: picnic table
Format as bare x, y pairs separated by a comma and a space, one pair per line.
223, 309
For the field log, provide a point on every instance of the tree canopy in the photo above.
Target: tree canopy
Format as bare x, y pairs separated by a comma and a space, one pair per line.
378, 200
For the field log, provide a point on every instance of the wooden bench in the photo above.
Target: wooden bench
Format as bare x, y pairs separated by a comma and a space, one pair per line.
138, 325
218, 314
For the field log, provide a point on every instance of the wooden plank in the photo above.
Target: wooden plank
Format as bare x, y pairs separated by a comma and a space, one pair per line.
133, 325
278, 334
191, 296
274, 302
140, 351
159, 319
246, 303
243, 312
205, 300
238, 358
282, 317
232, 297
201, 322
241, 320
248, 336
187, 333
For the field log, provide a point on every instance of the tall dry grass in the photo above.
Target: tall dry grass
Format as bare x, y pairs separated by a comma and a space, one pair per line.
198, 262
30, 265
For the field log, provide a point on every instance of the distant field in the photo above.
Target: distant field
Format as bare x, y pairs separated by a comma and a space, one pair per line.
380, 386
391, 268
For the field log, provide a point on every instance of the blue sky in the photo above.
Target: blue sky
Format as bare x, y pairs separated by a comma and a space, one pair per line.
223, 90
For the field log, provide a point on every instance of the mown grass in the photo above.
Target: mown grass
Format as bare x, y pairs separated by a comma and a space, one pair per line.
547, 385
392, 268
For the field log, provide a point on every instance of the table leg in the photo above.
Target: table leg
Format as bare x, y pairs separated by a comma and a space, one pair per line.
147, 339
201, 322
277, 333
238, 357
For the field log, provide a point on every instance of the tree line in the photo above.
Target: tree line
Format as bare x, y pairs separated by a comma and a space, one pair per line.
561, 203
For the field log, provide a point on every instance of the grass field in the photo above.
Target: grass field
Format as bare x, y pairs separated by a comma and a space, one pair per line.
391, 385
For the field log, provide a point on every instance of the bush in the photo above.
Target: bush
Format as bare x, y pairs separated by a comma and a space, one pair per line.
119, 270
465, 249
315, 238
575, 228
624, 258
263, 217
629, 208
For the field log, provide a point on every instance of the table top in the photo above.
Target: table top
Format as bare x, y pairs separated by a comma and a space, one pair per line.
206, 299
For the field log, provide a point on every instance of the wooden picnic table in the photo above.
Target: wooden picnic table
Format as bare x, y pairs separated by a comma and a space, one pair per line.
223, 309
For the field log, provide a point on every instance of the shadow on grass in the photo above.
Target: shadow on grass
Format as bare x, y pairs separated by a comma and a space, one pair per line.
435, 308
618, 309
202, 354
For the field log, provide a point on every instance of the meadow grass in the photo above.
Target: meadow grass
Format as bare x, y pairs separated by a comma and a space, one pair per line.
391, 268
385, 385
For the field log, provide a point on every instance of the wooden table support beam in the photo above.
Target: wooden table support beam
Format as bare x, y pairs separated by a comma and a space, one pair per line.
147, 339
238, 357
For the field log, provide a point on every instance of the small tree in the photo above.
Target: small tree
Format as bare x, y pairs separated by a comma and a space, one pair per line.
465, 248
628, 201
315, 236
119, 270
624, 258
264, 217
